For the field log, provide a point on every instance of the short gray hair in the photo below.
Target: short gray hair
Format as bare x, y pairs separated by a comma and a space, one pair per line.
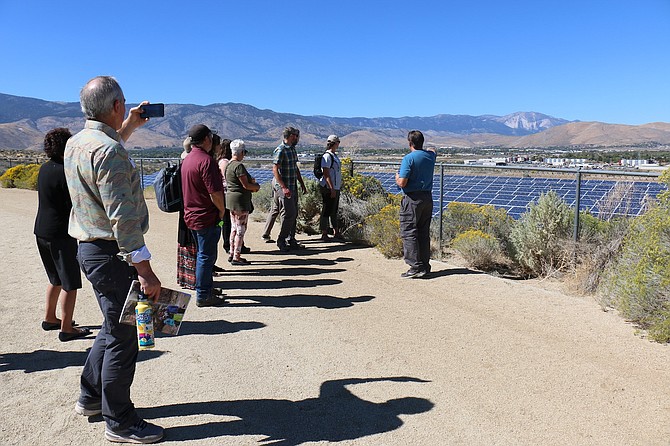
98, 95
237, 147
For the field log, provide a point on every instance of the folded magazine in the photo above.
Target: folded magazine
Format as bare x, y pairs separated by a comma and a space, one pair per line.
168, 310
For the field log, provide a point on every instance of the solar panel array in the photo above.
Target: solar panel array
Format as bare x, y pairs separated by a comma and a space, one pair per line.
514, 194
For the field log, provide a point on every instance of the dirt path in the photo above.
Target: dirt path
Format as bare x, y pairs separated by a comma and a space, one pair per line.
332, 346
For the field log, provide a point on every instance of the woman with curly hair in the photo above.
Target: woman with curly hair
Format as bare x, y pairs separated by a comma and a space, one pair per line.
57, 249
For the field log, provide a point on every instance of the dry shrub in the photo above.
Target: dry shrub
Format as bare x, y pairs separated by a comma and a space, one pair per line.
541, 236
598, 247
637, 282
617, 201
354, 211
263, 198
479, 249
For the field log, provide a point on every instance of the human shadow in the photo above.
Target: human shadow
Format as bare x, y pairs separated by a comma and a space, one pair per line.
311, 249
451, 272
298, 301
216, 327
314, 261
335, 415
274, 272
43, 360
274, 284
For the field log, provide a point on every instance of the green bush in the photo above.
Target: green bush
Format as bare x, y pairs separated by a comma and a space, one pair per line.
353, 212
541, 236
383, 230
22, 176
263, 198
462, 217
479, 249
309, 208
637, 283
600, 243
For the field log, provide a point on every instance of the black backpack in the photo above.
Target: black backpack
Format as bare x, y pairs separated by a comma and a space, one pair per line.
167, 186
318, 171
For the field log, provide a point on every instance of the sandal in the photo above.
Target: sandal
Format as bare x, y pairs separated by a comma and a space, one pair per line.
80, 333
47, 326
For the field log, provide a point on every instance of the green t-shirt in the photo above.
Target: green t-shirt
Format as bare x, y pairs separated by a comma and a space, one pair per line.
237, 197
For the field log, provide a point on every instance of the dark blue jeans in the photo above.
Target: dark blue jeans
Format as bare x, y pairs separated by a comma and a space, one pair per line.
416, 209
207, 240
110, 366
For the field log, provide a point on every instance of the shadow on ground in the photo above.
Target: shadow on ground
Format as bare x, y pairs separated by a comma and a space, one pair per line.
452, 272
215, 327
42, 360
274, 284
335, 415
297, 301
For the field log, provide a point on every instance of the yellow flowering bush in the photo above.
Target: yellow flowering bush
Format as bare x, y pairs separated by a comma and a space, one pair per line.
22, 176
383, 230
359, 186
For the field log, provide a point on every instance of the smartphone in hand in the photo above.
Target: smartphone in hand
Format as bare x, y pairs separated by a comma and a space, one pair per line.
153, 111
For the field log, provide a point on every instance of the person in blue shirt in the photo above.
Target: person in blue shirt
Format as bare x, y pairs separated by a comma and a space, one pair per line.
415, 178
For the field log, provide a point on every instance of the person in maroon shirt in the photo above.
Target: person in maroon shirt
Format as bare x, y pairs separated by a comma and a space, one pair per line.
202, 191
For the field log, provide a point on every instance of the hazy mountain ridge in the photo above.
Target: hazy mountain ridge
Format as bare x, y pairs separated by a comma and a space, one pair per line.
23, 122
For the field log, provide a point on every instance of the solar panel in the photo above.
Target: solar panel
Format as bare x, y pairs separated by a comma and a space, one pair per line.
511, 193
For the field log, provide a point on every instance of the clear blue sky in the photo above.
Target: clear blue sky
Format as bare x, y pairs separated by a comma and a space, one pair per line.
588, 60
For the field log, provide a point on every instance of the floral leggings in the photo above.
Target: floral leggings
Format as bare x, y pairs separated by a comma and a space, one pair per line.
238, 223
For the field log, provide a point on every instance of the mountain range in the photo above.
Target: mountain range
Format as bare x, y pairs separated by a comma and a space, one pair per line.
24, 121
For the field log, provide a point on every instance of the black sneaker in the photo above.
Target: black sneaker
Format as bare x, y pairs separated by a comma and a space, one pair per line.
245, 250
293, 244
140, 432
283, 248
211, 301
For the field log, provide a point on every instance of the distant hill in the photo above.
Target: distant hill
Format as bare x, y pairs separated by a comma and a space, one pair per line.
24, 121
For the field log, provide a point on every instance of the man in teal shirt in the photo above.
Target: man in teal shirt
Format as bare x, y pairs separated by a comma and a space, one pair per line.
415, 178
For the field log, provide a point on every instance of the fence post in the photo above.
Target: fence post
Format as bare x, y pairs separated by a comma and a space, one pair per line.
575, 234
441, 204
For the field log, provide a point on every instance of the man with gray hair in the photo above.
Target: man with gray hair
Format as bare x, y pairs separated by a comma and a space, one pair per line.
109, 218
286, 176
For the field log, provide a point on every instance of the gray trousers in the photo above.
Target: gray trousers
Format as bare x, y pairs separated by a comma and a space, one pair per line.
275, 209
416, 209
289, 218
110, 366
